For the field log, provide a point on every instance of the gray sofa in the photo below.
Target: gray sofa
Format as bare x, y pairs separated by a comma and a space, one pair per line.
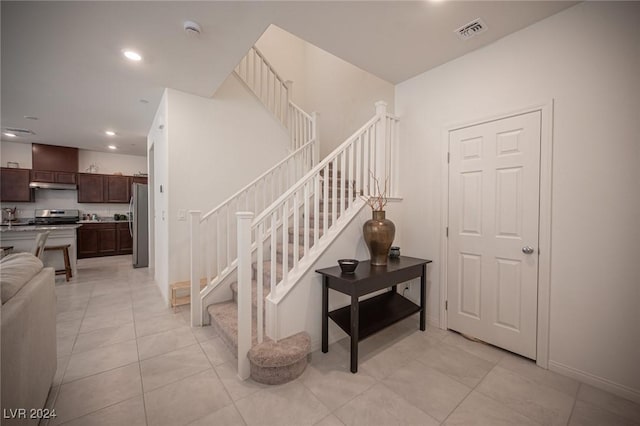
28, 313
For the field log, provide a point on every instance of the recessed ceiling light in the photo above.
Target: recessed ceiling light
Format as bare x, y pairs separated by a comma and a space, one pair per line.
131, 55
30, 117
110, 133
112, 147
9, 134
144, 101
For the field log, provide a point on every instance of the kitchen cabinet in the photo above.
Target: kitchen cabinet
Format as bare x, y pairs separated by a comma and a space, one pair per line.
104, 239
90, 188
52, 176
140, 179
94, 188
125, 241
14, 185
117, 189
51, 157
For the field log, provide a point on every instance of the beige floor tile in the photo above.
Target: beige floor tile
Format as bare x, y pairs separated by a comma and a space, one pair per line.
381, 406
433, 392
330, 420
157, 324
104, 337
129, 412
106, 319
334, 388
216, 351
97, 360
74, 315
237, 389
288, 404
173, 366
186, 400
204, 333
68, 328
543, 404
585, 414
50, 405
227, 416
65, 344
163, 342
460, 365
116, 309
480, 410
615, 404
384, 363
62, 363
479, 349
417, 344
528, 368
93, 393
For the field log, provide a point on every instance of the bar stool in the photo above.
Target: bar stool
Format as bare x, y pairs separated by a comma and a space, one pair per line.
67, 264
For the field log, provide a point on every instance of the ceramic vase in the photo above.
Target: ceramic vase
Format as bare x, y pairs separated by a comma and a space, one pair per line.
378, 234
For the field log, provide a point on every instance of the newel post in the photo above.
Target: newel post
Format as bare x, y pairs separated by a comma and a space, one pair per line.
244, 292
381, 171
196, 302
316, 138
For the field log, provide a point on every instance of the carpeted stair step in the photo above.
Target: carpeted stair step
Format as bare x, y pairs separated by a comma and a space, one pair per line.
275, 363
254, 293
271, 362
266, 271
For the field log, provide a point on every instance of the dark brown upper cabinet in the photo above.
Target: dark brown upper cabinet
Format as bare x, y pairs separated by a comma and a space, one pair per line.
55, 158
90, 188
117, 189
53, 177
14, 185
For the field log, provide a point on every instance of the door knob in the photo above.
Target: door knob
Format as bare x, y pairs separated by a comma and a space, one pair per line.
527, 250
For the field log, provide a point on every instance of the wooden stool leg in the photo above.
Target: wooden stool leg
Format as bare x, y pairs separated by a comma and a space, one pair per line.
67, 264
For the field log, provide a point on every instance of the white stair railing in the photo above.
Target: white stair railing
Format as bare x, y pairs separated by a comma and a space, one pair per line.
265, 83
311, 209
214, 235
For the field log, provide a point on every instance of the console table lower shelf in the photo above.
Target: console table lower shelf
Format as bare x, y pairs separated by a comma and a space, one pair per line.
375, 314
361, 319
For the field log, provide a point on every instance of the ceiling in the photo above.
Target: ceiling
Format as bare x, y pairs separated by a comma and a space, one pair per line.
62, 61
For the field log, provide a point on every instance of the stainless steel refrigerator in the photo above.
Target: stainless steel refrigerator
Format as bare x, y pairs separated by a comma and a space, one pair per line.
139, 224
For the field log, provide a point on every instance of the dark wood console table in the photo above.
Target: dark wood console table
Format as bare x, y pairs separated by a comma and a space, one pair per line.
362, 319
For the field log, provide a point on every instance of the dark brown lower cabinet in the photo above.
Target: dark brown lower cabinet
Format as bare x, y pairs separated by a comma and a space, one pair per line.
104, 239
125, 241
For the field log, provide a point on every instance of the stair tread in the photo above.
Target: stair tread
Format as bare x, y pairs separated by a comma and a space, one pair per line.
281, 353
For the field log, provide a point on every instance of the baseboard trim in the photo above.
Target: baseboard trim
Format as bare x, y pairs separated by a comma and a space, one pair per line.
596, 381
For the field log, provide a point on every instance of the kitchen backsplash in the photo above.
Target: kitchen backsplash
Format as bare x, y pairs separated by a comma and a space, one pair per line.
57, 199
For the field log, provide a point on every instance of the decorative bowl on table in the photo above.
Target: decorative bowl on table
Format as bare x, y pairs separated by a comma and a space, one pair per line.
348, 266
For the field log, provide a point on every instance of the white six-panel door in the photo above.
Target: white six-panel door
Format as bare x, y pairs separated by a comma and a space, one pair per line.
494, 172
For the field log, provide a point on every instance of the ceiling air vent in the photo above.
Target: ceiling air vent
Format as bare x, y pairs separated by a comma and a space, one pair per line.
471, 29
17, 131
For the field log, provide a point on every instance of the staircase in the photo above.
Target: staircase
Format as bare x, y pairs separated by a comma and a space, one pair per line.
251, 262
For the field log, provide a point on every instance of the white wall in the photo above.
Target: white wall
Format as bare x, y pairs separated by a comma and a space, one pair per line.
16, 152
215, 147
157, 142
109, 163
587, 59
343, 94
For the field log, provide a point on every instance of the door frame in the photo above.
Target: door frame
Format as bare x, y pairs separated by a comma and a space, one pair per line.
544, 236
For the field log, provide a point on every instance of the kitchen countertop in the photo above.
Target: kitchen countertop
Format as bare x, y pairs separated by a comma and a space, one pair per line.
103, 221
31, 228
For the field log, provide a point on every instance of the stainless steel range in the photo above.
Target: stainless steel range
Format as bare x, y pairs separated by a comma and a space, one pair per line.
56, 217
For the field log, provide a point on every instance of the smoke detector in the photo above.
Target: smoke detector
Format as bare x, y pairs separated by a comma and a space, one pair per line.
471, 29
192, 28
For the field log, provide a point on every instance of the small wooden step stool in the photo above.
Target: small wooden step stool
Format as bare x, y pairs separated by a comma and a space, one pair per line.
183, 286
67, 264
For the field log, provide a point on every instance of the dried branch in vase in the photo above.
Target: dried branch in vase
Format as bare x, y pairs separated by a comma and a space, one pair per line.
378, 199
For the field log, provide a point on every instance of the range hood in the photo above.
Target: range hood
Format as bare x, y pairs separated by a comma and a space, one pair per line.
50, 185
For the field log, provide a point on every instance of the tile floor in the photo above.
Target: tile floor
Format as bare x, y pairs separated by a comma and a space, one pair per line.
125, 358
